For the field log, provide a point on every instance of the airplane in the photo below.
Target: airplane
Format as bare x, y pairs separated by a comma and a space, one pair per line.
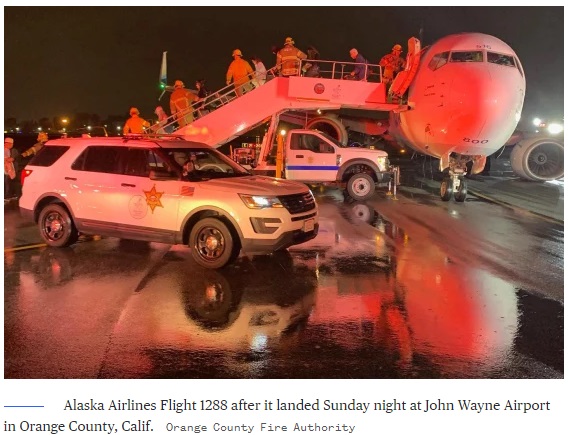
163, 78
458, 100
464, 101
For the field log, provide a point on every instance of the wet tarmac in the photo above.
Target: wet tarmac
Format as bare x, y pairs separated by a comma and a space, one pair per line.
406, 288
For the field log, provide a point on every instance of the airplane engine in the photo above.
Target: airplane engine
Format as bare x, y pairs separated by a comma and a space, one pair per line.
331, 125
538, 158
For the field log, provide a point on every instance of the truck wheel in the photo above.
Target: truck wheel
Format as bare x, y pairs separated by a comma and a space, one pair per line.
361, 186
56, 226
212, 243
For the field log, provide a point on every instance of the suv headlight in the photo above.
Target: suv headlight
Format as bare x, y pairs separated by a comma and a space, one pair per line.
256, 201
382, 162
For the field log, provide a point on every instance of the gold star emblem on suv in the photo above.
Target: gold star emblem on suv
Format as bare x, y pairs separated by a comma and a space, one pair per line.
153, 198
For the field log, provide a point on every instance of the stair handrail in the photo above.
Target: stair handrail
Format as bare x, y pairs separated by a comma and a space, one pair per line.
228, 93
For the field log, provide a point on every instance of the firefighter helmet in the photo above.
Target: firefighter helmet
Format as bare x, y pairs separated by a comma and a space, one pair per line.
134, 111
397, 47
8, 140
289, 40
42, 136
178, 84
237, 52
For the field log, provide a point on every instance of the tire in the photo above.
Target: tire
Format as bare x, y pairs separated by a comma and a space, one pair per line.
208, 299
460, 195
361, 186
56, 226
446, 189
212, 243
363, 212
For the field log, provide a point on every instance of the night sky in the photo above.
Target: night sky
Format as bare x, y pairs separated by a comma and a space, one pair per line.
61, 60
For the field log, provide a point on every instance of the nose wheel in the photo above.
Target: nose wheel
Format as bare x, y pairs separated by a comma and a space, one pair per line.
454, 184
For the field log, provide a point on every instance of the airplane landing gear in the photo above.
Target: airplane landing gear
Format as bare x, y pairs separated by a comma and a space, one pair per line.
454, 182
461, 191
446, 188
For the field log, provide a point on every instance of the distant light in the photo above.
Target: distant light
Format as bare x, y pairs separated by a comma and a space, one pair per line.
39, 128
402, 150
555, 128
283, 132
537, 131
63, 129
17, 128
536, 121
64, 120
118, 128
319, 112
88, 127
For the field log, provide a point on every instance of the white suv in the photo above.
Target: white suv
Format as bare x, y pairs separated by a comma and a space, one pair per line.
163, 190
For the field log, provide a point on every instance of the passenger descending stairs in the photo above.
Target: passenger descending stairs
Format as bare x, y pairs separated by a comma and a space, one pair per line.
224, 116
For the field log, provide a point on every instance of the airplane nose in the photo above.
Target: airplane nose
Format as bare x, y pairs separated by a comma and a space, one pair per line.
486, 104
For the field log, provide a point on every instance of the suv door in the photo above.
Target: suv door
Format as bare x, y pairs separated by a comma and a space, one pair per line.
310, 157
120, 198
152, 203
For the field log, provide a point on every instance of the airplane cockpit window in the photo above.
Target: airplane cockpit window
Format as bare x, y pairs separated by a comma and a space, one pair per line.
501, 59
438, 60
466, 56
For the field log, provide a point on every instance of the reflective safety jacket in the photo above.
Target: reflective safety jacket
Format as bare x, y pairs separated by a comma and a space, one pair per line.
288, 60
240, 71
135, 124
391, 64
180, 100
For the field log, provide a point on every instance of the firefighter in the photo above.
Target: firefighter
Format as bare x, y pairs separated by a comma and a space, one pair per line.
392, 63
288, 59
41, 140
241, 72
135, 124
180, 103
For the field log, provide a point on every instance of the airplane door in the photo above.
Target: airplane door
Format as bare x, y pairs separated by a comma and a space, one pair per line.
310, 157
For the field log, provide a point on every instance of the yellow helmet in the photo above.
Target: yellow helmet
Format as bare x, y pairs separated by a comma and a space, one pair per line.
289, 40
397, 47
178, 84
134, 111
236, 52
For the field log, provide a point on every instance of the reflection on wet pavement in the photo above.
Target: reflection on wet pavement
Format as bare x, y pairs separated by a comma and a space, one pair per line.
362, 300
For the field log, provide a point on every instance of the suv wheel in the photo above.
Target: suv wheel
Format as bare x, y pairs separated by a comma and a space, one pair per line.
212, 243
56, 226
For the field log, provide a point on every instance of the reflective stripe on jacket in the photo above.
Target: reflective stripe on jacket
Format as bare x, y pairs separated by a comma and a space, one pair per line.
288, 60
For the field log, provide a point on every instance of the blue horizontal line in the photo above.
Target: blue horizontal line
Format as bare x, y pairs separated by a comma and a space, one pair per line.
23, 406
312, 168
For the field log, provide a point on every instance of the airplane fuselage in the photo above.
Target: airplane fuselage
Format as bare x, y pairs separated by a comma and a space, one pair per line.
466, 98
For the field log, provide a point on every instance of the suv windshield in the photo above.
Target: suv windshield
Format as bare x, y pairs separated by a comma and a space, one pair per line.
197, 164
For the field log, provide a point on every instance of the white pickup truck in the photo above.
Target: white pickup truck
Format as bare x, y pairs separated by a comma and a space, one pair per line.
313, 157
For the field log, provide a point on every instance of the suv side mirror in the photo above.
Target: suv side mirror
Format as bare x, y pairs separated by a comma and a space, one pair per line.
161, 174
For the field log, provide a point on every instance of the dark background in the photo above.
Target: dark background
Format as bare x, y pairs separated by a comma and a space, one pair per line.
63, 60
